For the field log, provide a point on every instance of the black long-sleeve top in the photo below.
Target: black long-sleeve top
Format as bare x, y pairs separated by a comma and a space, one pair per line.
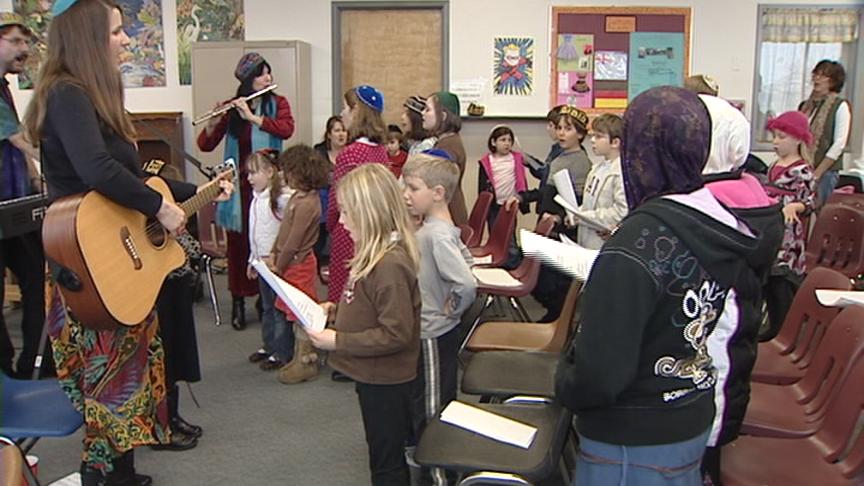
80, 152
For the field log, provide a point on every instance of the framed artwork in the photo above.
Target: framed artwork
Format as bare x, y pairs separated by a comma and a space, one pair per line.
514, 66
205, 20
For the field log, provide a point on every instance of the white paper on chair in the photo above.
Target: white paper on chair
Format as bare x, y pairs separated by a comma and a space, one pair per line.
839, 298
311, 314
488, 424
483, 260
497, 277
584, 220
571, 259
73, 479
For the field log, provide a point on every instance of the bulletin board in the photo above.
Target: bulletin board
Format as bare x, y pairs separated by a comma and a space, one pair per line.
602, 57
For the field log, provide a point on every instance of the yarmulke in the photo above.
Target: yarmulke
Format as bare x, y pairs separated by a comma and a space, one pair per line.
793, 123
449, 101
11, 18
61, 6
416, 104
580, 116
247, 65
436, 152
371, 97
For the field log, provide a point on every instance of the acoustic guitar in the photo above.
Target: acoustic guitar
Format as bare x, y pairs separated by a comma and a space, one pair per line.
114, 259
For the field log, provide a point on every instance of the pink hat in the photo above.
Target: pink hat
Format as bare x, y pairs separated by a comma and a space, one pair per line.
793, 123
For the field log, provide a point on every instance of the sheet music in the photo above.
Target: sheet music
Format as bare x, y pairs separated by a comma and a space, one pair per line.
483, 260
488, 424
584, 220
311, 314
572, 259
564, 186
494, 276
839, 298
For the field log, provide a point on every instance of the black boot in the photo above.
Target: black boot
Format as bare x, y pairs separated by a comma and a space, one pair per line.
124, 472
238, 314
177, 422
180, 441
91, 476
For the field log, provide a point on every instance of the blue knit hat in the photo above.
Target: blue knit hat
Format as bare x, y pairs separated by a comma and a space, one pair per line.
370, 96
61, 6
247, 65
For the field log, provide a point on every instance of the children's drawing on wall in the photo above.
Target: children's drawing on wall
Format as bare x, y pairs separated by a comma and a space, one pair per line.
575, 63
610, 66
205, 20
143, 65
514, 66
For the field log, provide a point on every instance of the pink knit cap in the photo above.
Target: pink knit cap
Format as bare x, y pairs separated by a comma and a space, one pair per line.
793, 123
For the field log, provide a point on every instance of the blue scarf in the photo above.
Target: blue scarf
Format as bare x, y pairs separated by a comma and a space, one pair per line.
229, 214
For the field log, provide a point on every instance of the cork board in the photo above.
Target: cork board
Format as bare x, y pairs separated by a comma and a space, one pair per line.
606, 33
396, 50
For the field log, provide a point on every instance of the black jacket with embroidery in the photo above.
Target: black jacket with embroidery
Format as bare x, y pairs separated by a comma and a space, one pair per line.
639, 372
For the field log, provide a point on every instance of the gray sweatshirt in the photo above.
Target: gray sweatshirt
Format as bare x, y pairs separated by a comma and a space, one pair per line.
447, 285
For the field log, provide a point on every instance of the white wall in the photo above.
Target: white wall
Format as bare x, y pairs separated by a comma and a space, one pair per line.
723, 44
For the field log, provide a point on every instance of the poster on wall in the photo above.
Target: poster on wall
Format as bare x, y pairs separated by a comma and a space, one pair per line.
610, 66
656, 59
202, 21
575, 63
514, 66
142, 66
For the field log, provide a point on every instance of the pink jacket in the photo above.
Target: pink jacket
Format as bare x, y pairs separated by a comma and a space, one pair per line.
518, 169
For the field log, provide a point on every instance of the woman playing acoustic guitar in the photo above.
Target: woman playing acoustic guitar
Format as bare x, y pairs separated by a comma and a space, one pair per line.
115, 377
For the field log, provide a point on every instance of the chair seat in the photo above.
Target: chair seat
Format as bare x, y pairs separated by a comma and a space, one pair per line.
504, 374
775, 411
37, 408
773, 367
512, 336
769, 461
450, 447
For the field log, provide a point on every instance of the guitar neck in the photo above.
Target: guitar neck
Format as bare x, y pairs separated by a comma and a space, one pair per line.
205, 194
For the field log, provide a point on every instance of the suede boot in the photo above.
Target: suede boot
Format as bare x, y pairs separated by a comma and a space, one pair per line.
304, 366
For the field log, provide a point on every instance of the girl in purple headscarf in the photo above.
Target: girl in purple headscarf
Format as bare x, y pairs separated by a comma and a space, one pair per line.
640, 373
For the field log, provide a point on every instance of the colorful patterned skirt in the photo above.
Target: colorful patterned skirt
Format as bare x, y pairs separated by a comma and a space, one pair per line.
301, 275
116, 379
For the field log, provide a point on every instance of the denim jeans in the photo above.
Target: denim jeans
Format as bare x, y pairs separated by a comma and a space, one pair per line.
826, 186
276, 333
677, 464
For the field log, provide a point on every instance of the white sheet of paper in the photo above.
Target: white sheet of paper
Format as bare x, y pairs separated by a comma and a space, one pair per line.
571, 259
567, 241
584, 220
311, 314
494, 276
564, 186
488, 424
839, 298
483, 260
73, 479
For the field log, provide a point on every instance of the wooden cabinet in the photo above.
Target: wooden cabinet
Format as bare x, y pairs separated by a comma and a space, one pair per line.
153, 129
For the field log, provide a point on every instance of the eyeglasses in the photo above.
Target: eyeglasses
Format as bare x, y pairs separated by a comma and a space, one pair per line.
17, 41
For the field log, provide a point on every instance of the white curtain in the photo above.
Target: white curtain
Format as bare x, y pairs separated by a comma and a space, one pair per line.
810, 24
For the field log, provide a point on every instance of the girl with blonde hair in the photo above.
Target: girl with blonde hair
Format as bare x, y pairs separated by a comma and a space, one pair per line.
375, 336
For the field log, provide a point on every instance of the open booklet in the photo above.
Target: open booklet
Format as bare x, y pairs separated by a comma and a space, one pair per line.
566, 197
570, 258
310, 314
492, 425
584, 220
839, 298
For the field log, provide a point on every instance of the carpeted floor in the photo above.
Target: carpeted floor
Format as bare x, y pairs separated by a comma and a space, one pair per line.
256, 430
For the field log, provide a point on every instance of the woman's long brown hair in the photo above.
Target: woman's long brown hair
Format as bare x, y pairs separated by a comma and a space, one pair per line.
366, 122
79, 54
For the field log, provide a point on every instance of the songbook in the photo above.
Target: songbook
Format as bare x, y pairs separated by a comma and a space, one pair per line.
311, 315
497, 277
839, 298
572, 259
584, 219
488, 424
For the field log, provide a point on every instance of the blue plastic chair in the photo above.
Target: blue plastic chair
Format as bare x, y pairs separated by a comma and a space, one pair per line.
31, 409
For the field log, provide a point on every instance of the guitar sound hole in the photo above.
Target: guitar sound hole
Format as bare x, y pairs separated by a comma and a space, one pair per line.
156, 233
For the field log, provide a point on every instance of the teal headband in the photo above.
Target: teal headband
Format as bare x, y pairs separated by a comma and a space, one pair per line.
61, 6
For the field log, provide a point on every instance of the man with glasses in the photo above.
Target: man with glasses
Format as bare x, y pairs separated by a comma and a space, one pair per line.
18, 178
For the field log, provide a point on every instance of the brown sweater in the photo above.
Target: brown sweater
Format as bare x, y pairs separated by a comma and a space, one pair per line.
452, 144
378, 325
299, 229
